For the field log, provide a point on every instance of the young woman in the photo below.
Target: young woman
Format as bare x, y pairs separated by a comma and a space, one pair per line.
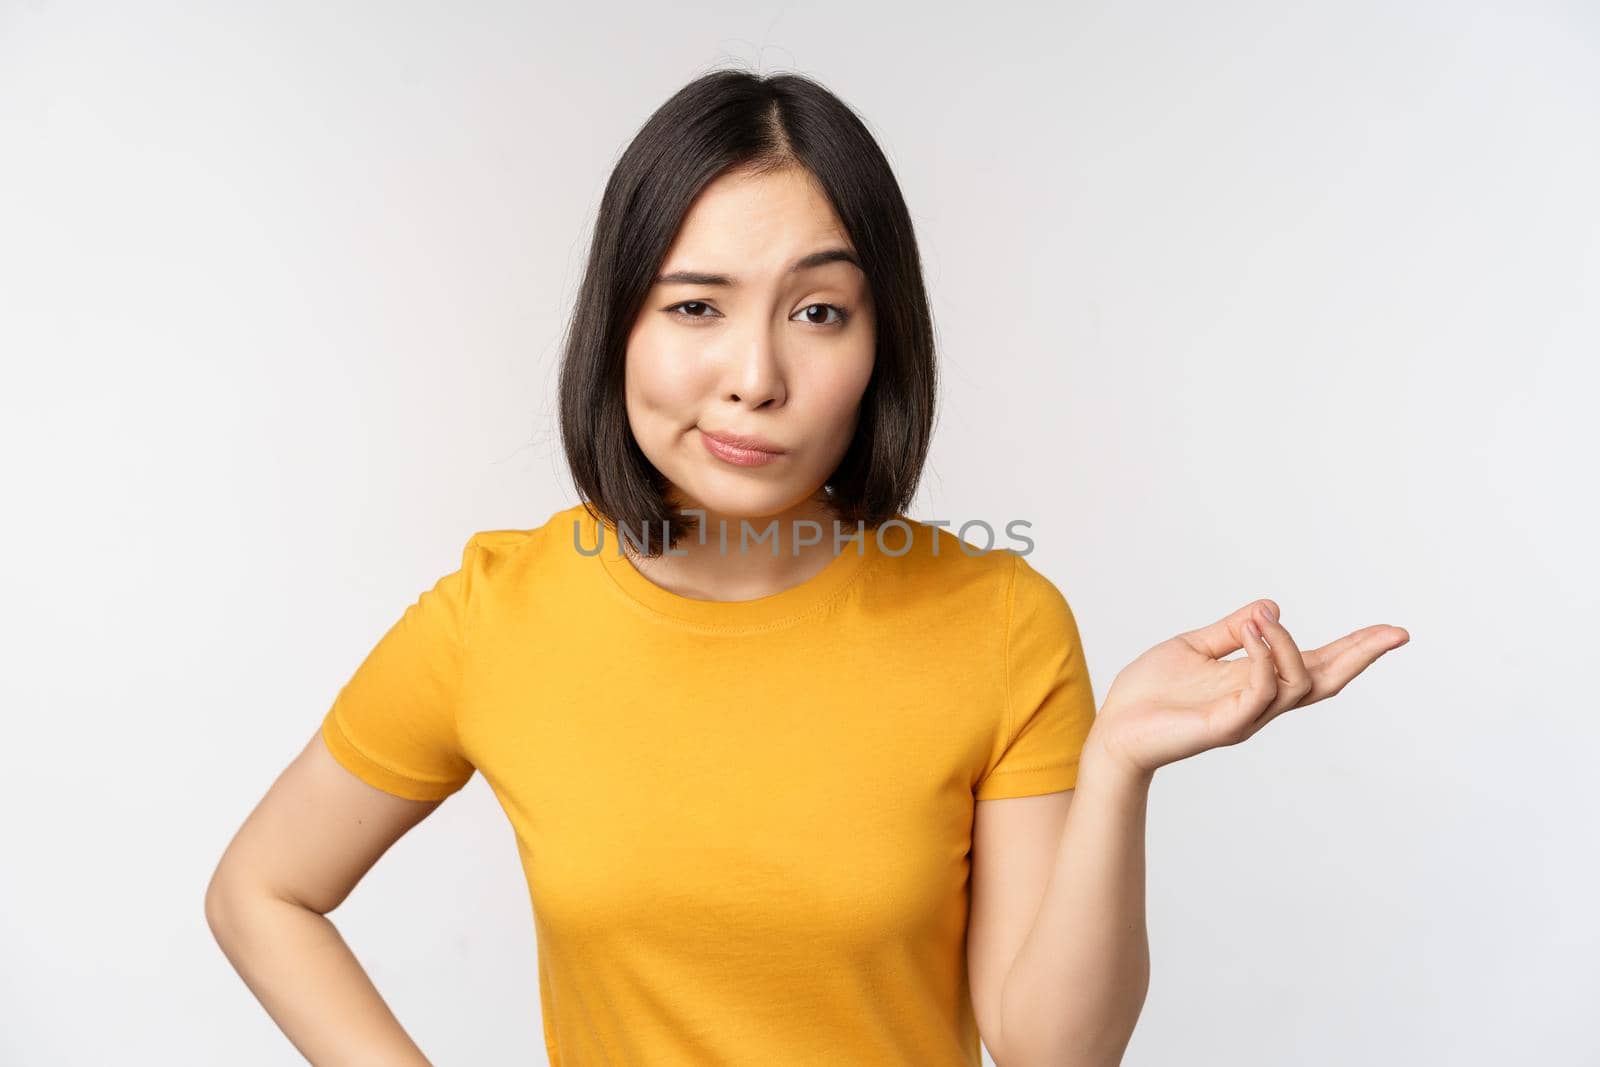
798, 800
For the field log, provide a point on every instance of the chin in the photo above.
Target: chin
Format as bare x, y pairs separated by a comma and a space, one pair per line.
743, 502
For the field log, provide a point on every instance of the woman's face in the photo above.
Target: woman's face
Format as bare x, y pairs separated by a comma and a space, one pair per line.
745, 334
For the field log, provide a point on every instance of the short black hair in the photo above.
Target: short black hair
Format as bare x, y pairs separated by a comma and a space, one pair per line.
724, 120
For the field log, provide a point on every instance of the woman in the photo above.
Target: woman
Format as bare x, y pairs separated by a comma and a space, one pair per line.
800, 799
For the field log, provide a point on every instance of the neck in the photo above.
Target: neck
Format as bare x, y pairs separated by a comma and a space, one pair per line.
745, 569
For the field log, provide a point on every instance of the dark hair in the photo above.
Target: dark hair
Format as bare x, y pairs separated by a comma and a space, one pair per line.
724, 120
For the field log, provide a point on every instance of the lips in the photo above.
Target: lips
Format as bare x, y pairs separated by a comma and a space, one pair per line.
747, 442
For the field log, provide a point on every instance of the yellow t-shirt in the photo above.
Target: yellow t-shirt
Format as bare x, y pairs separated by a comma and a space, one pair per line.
745, 825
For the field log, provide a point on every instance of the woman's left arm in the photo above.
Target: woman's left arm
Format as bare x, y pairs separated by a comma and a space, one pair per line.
1076, 987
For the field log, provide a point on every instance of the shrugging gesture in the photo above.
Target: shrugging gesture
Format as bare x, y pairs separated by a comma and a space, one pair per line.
1182, 697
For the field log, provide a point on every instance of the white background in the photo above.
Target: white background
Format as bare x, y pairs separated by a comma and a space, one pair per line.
1234, 300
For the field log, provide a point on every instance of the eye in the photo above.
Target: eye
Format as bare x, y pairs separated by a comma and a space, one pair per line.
844, 316
682, 312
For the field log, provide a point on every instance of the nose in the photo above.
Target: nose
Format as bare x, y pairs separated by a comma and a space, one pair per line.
754, 376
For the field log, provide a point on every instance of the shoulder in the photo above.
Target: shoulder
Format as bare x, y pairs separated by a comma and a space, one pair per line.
928, 565
1040, 624
985, 573
499, 555
1034, 590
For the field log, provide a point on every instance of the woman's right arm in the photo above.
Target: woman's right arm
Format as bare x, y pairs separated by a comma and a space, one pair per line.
317, 831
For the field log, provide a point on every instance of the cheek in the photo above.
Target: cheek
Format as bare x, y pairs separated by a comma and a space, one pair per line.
838, 387
662, 378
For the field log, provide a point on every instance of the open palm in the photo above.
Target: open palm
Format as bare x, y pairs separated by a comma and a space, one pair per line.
1183, 697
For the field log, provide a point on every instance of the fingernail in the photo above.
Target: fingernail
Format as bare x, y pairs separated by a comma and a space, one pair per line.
1269, 613
1250, 624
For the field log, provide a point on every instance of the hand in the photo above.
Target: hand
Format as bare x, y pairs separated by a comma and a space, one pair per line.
1182, 697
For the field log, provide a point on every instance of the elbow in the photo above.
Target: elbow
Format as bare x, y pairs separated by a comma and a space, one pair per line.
242, 908
218, 905
1073, 1057
1063, 1060
1103, 1045
231, 901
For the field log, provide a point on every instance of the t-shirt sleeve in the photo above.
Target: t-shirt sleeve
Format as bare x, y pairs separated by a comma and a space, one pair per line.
393, 724
1050, 702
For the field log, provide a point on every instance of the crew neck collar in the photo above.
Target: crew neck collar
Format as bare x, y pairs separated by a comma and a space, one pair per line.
786, 605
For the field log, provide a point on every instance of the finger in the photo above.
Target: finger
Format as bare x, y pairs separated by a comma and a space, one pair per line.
1225, 636
1230, 722
1336, 663
1294, 677
1333, 665
1318, 657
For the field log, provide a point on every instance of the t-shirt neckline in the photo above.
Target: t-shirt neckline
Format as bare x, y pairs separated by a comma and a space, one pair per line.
856, 551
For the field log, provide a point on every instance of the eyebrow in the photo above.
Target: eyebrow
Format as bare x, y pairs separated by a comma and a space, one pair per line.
815, 259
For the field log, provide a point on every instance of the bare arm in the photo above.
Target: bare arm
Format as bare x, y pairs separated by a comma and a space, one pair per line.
1014, 846
1077, 984
1074, 991
306, 845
